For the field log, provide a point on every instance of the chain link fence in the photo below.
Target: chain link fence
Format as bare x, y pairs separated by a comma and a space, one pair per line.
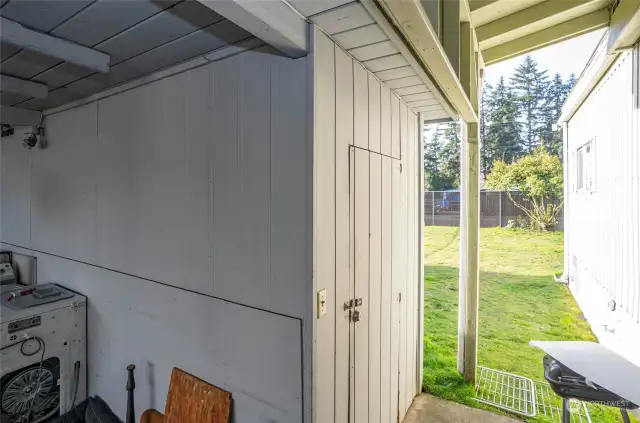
442, 208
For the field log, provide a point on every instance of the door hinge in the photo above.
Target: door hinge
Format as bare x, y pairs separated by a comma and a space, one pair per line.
399, 297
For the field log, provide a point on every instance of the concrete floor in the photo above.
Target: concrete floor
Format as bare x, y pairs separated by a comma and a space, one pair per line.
429, 409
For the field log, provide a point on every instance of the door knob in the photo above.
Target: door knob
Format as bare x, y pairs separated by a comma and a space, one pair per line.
356, 316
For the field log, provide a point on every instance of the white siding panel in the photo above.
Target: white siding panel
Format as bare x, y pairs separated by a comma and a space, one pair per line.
385, 120
395, 127
362, 273
15, 214
409, 81
290, 179
343, 18
386, 295
417, 97
374, 114
242, 206
63, 186
396, 291
371, 51
375, 283
415, 89
360, 106
360, 36
344, 287
153, 168
603, 226
324, 220
251, 353
385, 63
397, 73
313, 7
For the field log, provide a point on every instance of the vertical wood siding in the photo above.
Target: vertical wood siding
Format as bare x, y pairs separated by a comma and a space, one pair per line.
603, 226
182, 206
363, 133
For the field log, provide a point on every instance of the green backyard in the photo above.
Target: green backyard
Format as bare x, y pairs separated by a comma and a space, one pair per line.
519, 301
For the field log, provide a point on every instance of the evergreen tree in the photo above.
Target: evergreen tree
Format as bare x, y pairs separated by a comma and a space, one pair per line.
568, 86
485, 162
556, 96
432, 153
450, 156
529, 85
503, 140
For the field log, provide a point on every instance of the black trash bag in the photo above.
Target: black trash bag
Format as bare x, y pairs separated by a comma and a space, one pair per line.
99, 412
76, 415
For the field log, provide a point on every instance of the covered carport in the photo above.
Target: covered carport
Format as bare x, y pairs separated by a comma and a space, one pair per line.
193, 184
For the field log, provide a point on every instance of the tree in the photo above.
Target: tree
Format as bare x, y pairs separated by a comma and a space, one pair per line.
529, 85
450, 156
484, 111
555, 98
538, 176
503, 140
432, 153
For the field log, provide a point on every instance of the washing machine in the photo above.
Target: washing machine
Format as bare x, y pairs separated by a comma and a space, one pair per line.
43, 358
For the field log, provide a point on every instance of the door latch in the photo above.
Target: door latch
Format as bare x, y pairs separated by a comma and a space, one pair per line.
355, 315
354, 302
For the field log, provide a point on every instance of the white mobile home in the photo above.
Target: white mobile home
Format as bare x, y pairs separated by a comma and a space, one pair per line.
602, 222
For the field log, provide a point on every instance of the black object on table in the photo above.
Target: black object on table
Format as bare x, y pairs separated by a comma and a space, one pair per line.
590, 372
568, 384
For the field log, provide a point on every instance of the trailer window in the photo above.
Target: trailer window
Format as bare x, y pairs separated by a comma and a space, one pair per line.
585, 168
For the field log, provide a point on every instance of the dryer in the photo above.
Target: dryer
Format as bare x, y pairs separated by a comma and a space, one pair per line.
43, 356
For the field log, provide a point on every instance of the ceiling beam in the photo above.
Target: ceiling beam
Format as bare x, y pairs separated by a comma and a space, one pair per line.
411, 20
9, 84
533, 14
19, 117
624, 30
23, 37
555, 34
273, 21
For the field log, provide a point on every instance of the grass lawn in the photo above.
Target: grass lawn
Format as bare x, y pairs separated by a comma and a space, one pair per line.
519, 301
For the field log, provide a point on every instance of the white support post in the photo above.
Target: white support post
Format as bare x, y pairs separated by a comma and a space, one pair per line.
420, 346
469, 253
469, 215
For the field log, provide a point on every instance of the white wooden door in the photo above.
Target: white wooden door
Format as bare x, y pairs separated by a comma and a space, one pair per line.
374, 313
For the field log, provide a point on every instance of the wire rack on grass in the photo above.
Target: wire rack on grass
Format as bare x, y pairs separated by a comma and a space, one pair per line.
550, 405
521, 395
506, 391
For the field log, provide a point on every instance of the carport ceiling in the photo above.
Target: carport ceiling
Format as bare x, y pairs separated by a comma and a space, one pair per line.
139, 37
508, 28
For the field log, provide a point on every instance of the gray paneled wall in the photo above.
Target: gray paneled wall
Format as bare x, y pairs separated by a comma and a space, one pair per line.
198, 181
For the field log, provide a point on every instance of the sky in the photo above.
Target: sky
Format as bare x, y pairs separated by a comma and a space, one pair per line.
566, 57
